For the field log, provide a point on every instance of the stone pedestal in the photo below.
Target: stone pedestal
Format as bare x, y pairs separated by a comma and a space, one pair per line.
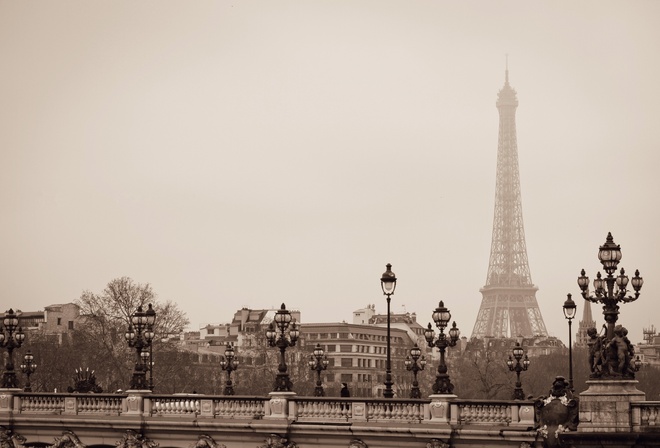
438, 411
7, 399
278, 406
134, 403
605, 405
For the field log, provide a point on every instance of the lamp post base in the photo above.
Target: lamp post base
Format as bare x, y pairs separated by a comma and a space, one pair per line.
443, 384
9, 380
282, 383
139, 381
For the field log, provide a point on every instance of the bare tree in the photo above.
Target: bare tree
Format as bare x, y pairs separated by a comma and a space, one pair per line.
106, 317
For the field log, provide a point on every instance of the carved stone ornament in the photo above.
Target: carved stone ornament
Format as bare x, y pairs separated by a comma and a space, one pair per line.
68, 440
133, 439
9, 439
525, 445
357, 443
556, 413
276, 441
437, 443
205, 441
438, 409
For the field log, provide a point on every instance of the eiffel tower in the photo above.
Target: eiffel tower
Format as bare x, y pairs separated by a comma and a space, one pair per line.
508, 306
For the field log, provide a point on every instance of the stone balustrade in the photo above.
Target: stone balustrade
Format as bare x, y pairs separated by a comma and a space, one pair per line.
645, 416
437, 409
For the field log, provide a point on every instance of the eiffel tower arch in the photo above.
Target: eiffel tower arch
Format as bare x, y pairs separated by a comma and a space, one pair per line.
508, 306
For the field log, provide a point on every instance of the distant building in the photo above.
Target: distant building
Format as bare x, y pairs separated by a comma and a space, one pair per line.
357, 351
54, 319
649, 350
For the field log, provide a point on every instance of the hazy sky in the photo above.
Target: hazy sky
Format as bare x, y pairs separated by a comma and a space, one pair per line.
252, 153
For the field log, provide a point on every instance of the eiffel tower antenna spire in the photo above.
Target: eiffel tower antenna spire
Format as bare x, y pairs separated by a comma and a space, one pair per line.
508, 307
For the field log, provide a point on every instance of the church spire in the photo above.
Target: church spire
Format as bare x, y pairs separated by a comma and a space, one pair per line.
586, 323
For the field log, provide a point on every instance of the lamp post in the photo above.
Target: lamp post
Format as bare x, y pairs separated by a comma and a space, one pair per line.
414, 366
319, 362
610, 291
11, 337
148, 365
388, 284
28, 367
282, 334
229, 363
151, 319
569, 314
140, 335
441, 317
518, 367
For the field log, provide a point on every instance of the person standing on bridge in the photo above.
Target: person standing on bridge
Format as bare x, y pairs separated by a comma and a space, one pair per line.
344, 390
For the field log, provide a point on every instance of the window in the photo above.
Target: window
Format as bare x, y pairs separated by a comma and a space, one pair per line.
210, 331
59, 321
70, 325
346, 377
345, 348
346, 362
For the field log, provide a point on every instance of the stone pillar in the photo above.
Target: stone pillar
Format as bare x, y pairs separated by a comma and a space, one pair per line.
135, 403
439, 409
605, 405
278, 406
7, 404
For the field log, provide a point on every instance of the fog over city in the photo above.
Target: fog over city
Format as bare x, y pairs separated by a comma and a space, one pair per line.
249, 153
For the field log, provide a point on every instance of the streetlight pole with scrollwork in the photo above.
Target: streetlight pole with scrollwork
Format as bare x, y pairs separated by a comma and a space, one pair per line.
318, 362
441, 317
616, 349
11, 337
282, 334
414, 366
518, 367
229, 363
28, 367
140, 335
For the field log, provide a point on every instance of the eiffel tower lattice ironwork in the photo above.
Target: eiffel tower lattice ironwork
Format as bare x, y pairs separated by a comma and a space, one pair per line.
508, 306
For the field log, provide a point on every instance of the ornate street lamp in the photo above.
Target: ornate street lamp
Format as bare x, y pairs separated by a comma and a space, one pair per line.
414, 366
569, 313
140, 335
148, 365
229, 363
151, 320
441, 317
388, 284
610, 291
11, 337
28, 367
319, 362
518, 367
282, 334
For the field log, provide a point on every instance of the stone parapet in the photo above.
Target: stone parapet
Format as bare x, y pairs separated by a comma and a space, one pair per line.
606, 405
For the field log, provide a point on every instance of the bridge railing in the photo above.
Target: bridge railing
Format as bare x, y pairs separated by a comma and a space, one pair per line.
645, 415
54, 403
289, 406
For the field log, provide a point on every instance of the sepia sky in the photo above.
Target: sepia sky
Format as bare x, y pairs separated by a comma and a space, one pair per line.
251, 153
